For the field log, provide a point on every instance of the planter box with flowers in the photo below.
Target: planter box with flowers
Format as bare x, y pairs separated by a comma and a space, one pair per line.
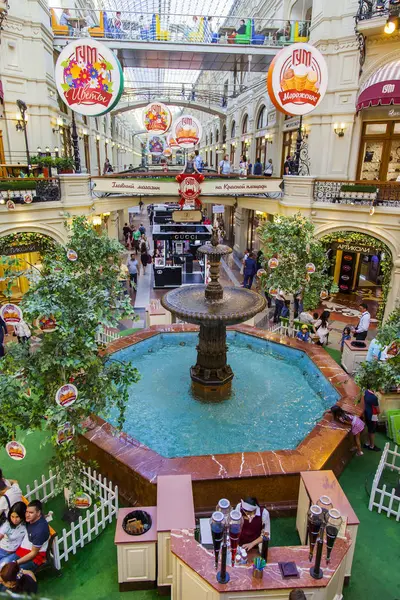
359, 192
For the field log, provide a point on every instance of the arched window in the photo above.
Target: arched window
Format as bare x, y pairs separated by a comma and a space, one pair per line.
262, 117
217, 136
233, 129
245, 123
211, 138
224, 134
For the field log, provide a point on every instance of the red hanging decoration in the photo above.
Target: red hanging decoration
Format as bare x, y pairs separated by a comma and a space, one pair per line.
189, 188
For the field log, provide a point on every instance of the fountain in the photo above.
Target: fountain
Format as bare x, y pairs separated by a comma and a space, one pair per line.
213, 308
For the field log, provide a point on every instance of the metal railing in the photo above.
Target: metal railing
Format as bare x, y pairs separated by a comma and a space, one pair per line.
28, 190
183, 28
366, 193
369, 9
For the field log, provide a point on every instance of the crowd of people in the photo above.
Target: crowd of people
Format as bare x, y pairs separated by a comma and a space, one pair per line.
24, 539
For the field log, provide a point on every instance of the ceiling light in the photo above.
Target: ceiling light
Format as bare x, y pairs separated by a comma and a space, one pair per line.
391, 25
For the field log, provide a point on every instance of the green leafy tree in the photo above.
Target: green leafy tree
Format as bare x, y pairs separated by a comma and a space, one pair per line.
81, 296
381, 375
291, 240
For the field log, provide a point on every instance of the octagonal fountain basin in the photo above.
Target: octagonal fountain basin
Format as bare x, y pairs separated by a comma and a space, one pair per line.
273, 425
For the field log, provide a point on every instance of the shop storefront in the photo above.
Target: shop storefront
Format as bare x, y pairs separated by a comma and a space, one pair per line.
256, 219
290, 128
356, 266
378, 105
22, 258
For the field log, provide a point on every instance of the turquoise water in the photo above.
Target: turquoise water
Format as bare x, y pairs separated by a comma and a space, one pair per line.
278, 395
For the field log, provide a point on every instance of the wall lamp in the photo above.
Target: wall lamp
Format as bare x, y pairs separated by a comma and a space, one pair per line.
391, 25
58, 126
268, 138
339, 129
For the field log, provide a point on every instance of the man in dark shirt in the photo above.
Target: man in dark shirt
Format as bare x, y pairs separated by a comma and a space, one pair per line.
242, 28
288, 165
32, 551
371, 411
258, 167
3, 332
127, 231
250, 269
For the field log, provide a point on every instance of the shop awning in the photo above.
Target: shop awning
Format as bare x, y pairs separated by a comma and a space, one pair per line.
382, 88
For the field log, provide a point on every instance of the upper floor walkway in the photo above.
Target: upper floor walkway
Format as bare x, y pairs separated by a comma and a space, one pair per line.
181, 41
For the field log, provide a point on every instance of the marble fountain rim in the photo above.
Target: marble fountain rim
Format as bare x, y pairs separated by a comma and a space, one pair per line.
311, 454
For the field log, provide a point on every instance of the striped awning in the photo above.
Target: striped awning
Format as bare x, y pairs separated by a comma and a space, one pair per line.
382, 88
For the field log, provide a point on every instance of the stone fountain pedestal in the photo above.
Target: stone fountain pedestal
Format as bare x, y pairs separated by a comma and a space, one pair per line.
213, 308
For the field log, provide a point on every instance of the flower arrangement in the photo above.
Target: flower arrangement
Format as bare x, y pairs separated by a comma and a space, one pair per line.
157, 118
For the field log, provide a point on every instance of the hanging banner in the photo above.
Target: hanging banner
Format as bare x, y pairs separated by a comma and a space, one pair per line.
89, 77
189, 188
157, 118
187, 131
11, 314
156, 145
297, 79
15, 450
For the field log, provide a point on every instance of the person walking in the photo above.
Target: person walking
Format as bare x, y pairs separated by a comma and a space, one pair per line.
126, 230
371, 412
257, 170
142, 229
133, 269
198, 161
224, 166
269, 168
144, 253
279, 304
136, 235
3, 332
245, 257
361, 330
250, 269
243, 167
322, 328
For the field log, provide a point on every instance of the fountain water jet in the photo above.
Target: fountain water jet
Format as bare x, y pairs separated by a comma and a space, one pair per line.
213, 308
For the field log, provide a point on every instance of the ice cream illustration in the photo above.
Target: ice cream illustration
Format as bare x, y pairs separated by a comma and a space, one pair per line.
288, 80
300, 77
311, 80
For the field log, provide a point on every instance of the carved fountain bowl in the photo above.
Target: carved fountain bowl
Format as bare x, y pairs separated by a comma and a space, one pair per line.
189, 304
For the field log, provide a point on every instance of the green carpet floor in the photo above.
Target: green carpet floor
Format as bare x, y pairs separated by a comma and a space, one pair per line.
92, 573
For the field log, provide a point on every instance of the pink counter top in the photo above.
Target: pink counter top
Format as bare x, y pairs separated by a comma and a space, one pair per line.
124, 538
324, 483
175, 508
201, 561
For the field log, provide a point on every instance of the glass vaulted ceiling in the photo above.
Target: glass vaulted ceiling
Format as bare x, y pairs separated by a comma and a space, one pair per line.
171, 83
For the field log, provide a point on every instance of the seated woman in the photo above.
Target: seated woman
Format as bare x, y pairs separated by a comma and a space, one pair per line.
256, 522
17, 580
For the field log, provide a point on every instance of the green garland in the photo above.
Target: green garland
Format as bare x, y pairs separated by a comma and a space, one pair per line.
44, 244
386, 264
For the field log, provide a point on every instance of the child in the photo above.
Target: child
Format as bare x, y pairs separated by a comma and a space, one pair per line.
346, 335
357, 426
12, 532
304, 334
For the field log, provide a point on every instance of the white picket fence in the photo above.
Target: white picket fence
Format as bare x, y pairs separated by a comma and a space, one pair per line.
380, 498
107, 335
92, 521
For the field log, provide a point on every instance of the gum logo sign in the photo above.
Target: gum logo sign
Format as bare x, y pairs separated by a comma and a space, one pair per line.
297, 79
157, 118
186, 131
89, 77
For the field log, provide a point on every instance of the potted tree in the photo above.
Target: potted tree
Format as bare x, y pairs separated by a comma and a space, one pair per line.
65, 164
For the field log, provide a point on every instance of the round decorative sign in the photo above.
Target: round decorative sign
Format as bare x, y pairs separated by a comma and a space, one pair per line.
11, 314
157, 117
89, 77
10, 205
273, 263
186, 131
47, 324
167, 152
66, 433
171, 142
156, 145
82, 501
310, 267
273, 292
297, 79
28, 198
324, 295
15, 450
66, 395
261, 272
72, 255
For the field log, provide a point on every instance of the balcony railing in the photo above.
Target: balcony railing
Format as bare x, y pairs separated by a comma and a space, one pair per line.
29, 190
369, 9
181, 28
357, 193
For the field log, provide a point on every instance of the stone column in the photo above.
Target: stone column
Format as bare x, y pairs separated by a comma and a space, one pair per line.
112, 225
394, 293
298, 191
241, 221
75, 190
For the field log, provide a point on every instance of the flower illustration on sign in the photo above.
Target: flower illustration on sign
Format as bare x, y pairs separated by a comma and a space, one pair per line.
297, 79
157, 117
156, 145
89, 77
187, 131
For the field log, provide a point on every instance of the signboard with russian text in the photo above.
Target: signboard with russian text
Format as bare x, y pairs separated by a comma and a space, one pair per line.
89, 77
187, 216
297, 79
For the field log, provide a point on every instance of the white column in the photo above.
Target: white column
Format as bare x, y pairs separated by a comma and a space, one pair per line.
394, 293
112, 225
241, 221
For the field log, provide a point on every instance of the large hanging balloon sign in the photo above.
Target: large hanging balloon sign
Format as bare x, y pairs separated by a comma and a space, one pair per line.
11, 314
186, 131
15, 450
66, 395
89, 77
156, 145
297, 79
157, 118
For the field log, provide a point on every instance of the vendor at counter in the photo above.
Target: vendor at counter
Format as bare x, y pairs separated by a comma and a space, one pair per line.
256, 523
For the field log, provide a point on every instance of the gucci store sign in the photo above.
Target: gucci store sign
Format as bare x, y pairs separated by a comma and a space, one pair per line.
211, 187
